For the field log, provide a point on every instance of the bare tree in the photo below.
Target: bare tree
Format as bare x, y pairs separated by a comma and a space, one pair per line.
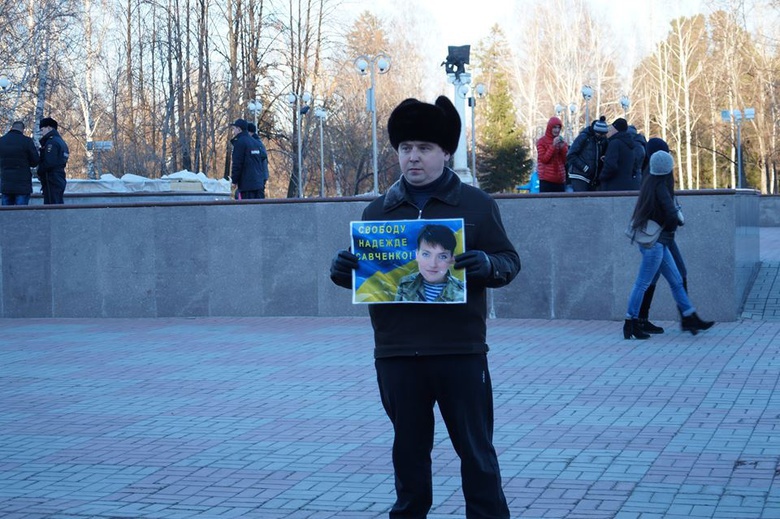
558, 56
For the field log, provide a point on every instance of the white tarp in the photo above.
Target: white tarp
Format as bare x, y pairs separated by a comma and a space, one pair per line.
180, 181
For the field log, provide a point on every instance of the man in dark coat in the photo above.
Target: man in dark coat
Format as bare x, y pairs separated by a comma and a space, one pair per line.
246, 170
618, 171
427, 353
54, 158
639, 152
18, 156
252, 129
584, 159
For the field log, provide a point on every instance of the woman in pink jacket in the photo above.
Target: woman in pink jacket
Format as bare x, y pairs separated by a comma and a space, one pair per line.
551, 150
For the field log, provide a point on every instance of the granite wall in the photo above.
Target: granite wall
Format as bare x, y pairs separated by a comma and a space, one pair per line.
255, 258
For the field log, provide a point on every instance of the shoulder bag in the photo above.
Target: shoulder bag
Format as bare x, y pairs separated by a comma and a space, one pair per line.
645, 236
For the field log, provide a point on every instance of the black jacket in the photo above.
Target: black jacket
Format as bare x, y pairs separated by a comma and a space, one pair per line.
17, 155
54, 158
664, 209
263, 156
584, 156
639, 152
432, 329
618, 171
247, 167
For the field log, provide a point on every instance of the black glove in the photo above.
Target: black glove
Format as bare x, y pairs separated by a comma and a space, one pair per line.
476, 263
342, 266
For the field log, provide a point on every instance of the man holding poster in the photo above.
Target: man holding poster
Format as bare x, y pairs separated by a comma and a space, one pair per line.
429, 353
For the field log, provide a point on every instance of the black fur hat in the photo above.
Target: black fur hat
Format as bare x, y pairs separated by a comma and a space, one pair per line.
413, 120
620, 124
48, 121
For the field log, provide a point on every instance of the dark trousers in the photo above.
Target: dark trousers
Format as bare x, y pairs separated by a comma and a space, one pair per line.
580, 186
250, 195
53, 193
551, 187
460, 384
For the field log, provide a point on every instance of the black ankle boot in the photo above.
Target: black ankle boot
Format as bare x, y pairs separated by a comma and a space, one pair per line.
632, 331
647, 300
694, 324
648, 327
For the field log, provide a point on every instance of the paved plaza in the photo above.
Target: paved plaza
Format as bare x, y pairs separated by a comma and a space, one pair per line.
277, 418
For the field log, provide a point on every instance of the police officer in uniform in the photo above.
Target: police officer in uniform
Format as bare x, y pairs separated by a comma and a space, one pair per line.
17, 156
54, 158
252, 129
246, 170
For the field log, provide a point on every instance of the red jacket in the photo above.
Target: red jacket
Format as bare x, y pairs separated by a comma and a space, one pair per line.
551, 159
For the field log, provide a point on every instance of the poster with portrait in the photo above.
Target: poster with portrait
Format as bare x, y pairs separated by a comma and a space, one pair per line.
408, 261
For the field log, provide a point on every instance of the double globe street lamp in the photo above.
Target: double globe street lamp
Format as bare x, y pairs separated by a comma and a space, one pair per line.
380, 63
587, 95
568, 119
625, 102
321, 114
255, 107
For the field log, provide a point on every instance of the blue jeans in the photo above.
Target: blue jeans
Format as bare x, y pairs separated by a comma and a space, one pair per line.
16, 199
678, 261
658, 259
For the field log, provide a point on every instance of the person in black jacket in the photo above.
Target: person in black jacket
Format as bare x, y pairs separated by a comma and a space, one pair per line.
655, 202
618, 171
252, 129
436, 353
18, 156
54, 158
246, 170
639, 153
584, 159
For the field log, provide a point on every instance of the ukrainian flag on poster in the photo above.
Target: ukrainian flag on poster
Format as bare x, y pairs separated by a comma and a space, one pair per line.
408, 261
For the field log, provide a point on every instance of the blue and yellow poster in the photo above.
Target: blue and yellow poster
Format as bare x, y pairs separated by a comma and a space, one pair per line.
408, 261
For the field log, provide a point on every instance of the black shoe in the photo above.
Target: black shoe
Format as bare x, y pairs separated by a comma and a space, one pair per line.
648, 327
694, 324
631, 330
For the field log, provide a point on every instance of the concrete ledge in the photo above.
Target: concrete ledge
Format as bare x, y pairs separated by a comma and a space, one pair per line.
271, 258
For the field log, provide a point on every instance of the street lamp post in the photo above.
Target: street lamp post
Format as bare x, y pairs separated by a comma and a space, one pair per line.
478, 91
255, 106
380, 62
567, 117
455, 67
587, 95
748, 114
321, 114
625, 102
5, 84
572, 111
294, 101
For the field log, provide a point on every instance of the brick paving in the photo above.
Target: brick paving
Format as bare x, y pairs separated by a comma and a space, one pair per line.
763, 300
280, 418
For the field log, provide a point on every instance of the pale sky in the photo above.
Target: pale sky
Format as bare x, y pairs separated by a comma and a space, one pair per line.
446, 22
465, 23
